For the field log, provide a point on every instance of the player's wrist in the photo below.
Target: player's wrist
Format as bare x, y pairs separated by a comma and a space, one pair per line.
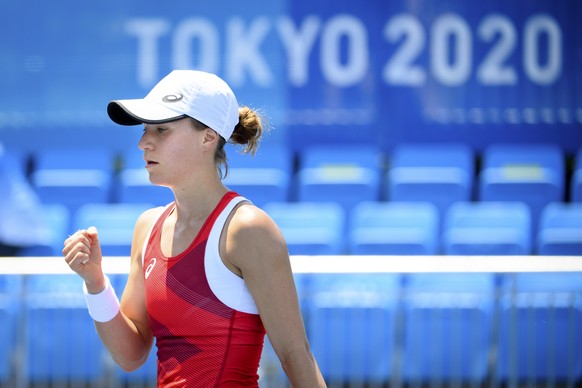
96, 286
104, 305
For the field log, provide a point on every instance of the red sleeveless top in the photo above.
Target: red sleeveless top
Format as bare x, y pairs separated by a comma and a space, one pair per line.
201, 341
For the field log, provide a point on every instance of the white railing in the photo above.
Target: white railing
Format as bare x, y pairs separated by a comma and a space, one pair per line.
398, 321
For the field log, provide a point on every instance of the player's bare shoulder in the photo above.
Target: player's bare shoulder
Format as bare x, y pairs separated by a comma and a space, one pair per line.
143, 226
248, 218
151, 214
250, 225
253, 242
147, 219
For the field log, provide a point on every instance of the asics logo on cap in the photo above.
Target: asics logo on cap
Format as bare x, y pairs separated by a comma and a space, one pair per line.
172, 97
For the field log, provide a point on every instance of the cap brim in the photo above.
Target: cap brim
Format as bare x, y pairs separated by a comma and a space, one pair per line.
140, 111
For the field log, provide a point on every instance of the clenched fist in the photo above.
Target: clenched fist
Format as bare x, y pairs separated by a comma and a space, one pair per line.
83, 255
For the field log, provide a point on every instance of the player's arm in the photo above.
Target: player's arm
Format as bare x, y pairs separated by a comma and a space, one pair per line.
255, 246
127, 336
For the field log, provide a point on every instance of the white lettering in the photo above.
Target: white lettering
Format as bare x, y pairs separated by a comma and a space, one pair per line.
446, 28
298, 43
401, 69
356, 64
147, 32
207, 35
494, 69
240, 51
243, 48
542, 74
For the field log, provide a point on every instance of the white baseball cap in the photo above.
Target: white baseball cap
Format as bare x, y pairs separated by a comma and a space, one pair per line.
200, 95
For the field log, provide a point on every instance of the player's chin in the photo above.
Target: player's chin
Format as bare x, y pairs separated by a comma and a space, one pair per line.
158, 181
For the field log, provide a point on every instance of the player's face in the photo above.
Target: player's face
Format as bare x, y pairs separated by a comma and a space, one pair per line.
170, 151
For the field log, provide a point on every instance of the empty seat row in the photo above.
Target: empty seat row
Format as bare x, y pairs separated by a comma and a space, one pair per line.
446, 327
461, 328
114, 221
57, 338
412, 228
441, 174
79, 176
371, 228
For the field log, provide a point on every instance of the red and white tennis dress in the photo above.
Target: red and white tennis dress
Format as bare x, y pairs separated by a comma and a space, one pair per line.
207, 328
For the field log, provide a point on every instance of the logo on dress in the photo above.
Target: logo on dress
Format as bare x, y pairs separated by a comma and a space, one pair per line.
150, 267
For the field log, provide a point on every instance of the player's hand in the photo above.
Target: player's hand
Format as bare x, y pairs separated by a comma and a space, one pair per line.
82, 253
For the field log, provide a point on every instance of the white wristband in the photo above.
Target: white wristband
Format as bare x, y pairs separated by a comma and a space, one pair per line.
103, 306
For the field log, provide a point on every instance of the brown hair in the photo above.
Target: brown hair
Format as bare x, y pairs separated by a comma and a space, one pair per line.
247, 132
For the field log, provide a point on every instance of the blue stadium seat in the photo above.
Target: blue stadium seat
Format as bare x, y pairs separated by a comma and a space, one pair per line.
447, 328
487, 228
114, 222
264, 177
133, 183
393, 228
576, 179
21, 223
438, 173
15, 158
351, 324
533, 174
539, 329
310, 228
62, 344
56, 228
560, 230
10, 315
346, 175
73, 176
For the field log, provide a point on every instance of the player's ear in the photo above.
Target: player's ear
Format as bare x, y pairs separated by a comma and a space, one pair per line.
210, 136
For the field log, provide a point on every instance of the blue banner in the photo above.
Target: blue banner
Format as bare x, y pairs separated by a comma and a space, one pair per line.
344, 72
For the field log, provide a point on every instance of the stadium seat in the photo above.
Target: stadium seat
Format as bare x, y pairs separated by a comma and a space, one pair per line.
114, 222
560, 230
346, 175
62, 345
351, 324
438, 173
21, 221
487, 228
56, 228
73, 176
10, 315
393, 228
264, 177
133, 183
539, 329
533, 174
447, 328
576, 179
15, 158
310, 228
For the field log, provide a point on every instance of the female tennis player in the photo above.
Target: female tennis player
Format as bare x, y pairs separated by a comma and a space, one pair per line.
210, 272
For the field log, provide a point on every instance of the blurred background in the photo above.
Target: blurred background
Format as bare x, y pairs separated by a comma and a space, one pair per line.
401, 128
